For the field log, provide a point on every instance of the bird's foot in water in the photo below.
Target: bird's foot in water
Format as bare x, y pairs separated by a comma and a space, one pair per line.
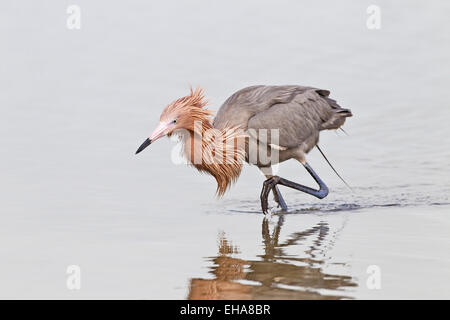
279, 199
268, 185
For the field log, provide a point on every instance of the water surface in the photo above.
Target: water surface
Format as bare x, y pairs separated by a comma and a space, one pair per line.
77, 104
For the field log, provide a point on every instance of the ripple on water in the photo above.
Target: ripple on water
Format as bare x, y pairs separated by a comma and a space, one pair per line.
343, 200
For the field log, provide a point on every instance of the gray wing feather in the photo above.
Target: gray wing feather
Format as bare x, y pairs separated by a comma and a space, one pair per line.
298, 112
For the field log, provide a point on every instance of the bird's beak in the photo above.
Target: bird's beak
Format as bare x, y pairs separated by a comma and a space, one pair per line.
160, 131
144, 145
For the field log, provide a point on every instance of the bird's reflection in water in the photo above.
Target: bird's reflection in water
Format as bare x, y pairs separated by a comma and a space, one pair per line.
276, 275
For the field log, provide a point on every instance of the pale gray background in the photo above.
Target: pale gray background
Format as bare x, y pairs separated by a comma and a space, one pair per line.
76, 104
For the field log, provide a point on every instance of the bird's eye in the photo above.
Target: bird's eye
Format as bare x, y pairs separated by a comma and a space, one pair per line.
174, 121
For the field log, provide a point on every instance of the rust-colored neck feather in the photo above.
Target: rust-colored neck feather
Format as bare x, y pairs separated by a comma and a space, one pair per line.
220, 153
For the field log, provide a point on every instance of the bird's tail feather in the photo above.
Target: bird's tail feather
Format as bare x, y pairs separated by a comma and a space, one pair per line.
343, 131
326, 159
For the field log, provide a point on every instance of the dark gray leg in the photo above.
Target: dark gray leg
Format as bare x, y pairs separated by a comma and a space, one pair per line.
279, 198
267, 171
270, 183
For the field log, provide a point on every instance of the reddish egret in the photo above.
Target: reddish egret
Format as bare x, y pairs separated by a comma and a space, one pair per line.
294, 115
